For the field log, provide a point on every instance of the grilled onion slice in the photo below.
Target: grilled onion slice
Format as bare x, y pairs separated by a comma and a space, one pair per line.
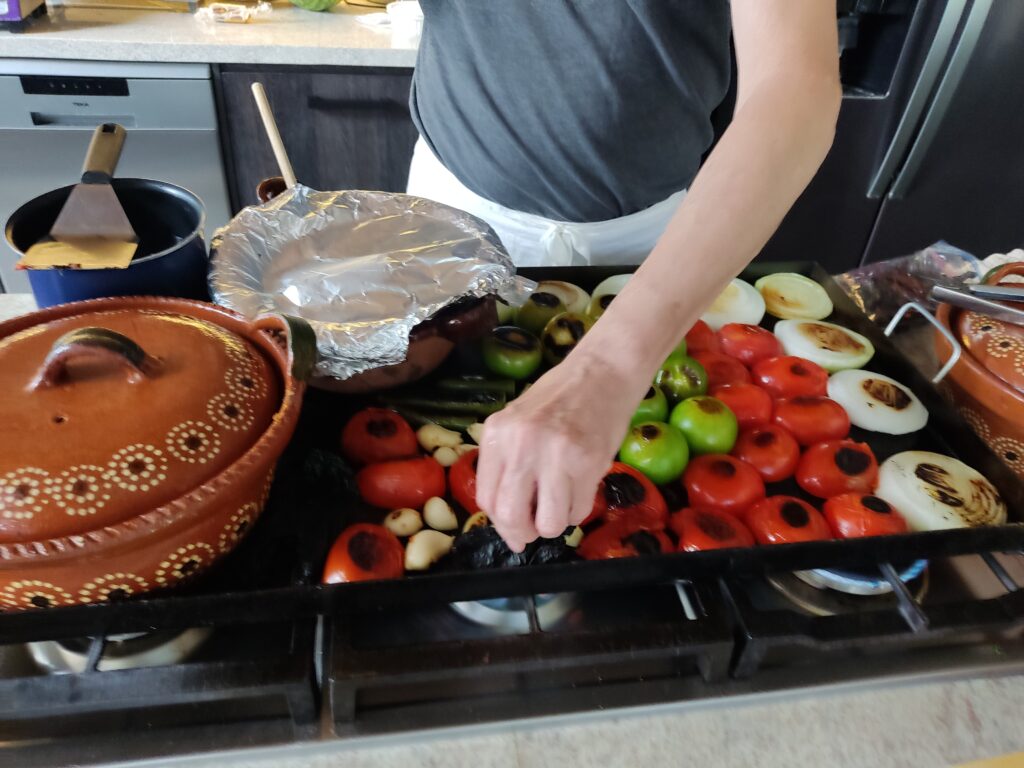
791, 296
936, 492
831, 346
574, 297
877, 403
738, 303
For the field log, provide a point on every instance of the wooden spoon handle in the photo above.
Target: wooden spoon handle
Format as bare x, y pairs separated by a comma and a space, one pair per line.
270, 126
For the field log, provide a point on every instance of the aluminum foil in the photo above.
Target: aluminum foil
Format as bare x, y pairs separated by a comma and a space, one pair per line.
363, 268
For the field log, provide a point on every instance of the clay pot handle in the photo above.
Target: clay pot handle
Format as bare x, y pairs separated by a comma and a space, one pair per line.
97, 343
997, 275
299, 337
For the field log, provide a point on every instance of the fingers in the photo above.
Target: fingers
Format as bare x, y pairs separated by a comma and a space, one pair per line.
554, 494
513, 509
582, 505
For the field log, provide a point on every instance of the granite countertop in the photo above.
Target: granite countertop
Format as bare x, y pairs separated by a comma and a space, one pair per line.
289, 35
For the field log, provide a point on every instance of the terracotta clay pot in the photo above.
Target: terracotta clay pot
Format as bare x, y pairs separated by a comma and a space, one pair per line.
430, 342
987, 383
138, 438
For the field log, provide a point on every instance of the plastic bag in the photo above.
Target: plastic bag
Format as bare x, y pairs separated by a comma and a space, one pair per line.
881, 288
232, 13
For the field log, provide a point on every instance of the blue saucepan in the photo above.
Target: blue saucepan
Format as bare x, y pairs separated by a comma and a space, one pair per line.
171, 259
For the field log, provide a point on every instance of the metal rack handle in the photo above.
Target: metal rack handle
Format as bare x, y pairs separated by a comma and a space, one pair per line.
954, 356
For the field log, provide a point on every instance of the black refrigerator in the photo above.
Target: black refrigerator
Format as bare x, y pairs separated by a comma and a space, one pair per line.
930, 140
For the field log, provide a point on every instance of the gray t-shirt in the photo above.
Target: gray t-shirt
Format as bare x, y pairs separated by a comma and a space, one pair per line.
578, 110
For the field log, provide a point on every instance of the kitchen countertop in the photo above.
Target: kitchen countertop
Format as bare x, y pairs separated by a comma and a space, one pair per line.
289, 35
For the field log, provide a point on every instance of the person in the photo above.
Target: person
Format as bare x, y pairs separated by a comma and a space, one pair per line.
576, 129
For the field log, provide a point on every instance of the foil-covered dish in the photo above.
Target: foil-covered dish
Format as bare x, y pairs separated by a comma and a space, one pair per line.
363, 268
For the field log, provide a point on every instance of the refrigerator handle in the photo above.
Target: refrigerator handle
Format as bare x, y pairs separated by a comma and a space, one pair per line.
930, 71
961, 57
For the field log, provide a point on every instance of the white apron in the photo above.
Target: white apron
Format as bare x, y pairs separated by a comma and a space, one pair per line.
533, 240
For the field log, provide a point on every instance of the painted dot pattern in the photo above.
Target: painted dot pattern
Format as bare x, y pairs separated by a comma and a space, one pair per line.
230, 412
244, 382
1011, 451
34, 594
112, 587
237, 526
23, 493
194, 442
81, 490
184, 562
138, 468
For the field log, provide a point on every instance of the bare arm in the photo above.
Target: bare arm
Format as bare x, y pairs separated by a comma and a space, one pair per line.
548, 450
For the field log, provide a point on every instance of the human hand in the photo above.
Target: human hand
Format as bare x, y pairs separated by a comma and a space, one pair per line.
543, 456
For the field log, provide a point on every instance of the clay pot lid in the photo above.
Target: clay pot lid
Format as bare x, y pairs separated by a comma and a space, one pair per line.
996, 345
108, 414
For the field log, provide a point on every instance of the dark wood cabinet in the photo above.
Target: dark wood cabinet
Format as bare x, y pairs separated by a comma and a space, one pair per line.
344, 128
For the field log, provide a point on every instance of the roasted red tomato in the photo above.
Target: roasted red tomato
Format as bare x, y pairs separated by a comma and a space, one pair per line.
838, 466
622, 538
377, 434
722, 369
789, 376
701, 529
748, 343
626, 494
462, 479
812, 419
770, 450
396, 484
751, 404
855, 514
363, 552
716, 481
701, 339
784, 520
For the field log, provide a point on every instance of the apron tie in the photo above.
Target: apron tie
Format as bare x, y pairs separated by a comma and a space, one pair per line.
561, 243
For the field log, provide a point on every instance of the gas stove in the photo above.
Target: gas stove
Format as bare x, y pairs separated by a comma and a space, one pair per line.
439, 666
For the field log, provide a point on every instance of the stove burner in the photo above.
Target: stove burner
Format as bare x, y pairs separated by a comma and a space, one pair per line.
819, 601
131, 651
513, 614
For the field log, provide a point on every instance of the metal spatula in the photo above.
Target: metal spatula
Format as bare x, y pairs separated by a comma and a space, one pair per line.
91, 229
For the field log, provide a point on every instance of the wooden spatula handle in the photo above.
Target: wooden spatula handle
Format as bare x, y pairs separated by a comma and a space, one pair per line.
104, 152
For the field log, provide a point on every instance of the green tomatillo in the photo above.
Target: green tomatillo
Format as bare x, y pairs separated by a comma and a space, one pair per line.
562, 334
511, 352
707, 423
538, 311
681, 377
657, 449
654, 407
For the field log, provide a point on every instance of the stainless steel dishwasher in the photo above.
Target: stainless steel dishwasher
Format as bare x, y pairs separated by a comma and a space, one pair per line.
48, 110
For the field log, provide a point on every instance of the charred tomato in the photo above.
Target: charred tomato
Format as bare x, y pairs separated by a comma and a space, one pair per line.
722, 369
836, 467
852, 515
785, 520
771, 450
751, 404
812, 419
462, 479
622, 538
748, 343
377, 434
397, 484
626, 494
717, 481
701, 338
363, 552
788, 376
702, 529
